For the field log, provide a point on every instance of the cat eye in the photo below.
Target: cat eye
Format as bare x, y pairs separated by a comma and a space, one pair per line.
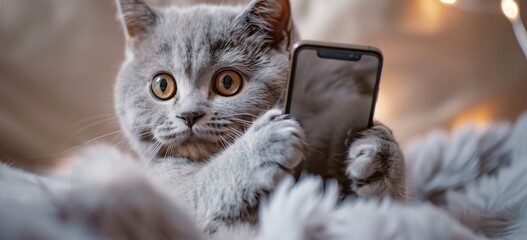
163, 86
227, 82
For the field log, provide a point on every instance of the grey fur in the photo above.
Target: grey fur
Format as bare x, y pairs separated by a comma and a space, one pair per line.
220, 173
229, 161
238, 151
108, 194
376, 165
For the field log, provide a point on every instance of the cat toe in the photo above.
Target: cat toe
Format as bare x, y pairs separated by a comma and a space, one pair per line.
276, 143
365, 170
266, 118
375, 164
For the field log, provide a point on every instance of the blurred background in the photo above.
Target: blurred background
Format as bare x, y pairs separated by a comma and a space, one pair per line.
446, 63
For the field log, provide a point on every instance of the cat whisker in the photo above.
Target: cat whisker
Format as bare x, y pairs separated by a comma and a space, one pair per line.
104, 116
149, 152
223, 142
76, 147
99, 137
170, 150
166, 152
155, 152
232, 136
119, 143
241, 121
243, 114
229, 136
91, 125
108, 134
236, 132
152, 152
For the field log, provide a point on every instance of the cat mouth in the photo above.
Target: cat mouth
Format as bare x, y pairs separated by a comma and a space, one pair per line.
188, 135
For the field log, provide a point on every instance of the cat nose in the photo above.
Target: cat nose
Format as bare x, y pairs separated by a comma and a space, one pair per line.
190, 117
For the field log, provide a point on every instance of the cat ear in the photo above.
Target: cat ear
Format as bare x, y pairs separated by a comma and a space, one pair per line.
271, 17
137, 19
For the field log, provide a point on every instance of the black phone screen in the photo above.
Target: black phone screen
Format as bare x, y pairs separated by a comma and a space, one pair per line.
332, 91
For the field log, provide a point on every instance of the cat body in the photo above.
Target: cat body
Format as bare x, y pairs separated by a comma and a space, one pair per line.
220, 153
216, 172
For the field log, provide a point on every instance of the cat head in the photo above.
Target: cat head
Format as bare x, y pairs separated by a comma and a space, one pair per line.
194, 78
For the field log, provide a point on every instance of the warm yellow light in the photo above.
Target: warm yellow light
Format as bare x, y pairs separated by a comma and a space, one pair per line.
449, 2
479, 116
510, 9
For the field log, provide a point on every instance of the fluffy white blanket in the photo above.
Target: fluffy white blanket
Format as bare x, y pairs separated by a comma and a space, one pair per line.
470, 185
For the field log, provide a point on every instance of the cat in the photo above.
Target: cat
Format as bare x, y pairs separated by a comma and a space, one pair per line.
198, 98
477, 178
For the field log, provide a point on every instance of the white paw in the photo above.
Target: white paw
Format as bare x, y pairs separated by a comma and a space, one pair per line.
277, 142
376, 164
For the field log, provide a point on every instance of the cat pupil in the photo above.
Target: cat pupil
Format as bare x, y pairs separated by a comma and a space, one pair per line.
227, 82
163, 84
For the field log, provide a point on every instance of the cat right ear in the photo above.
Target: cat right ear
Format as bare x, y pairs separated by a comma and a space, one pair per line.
271, 17
137, 19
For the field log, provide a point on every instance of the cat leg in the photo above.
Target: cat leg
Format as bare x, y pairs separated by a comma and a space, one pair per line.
227, 188
375, 163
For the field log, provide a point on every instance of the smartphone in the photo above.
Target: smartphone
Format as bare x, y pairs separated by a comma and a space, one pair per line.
332, 90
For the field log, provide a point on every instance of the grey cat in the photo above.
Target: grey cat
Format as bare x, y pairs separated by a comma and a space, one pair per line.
197, 96
226, 66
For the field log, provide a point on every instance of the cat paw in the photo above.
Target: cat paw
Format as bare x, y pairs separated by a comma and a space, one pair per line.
277, 142
375, 163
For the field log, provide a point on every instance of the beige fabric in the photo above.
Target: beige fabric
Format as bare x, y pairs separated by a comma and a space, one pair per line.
443, 65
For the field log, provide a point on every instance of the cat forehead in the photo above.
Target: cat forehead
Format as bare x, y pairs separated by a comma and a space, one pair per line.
198, 22
186, 39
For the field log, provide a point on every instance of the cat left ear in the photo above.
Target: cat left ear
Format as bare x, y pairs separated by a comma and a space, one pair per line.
137, 18
271, 17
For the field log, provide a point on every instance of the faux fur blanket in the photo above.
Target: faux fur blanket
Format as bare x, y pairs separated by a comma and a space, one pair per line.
469, 185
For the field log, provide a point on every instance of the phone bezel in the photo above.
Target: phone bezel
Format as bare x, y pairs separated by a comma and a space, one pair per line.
368, 50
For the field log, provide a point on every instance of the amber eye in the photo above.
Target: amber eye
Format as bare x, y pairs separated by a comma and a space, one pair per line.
163, 86
228, 82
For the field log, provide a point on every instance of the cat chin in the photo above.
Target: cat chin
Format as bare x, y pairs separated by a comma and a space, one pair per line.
186, 137
174, 138
193, 149
193, 145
